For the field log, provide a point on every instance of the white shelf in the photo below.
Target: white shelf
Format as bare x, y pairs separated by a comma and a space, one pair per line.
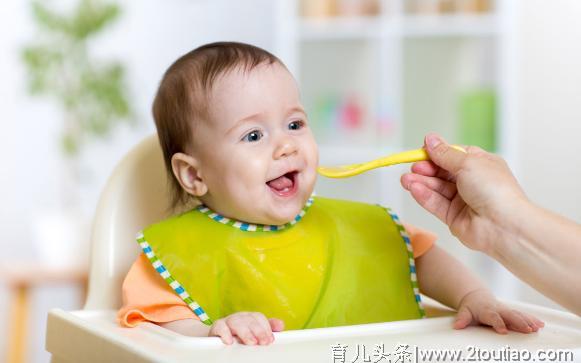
450, 25
409, 72
414, 26
339, 28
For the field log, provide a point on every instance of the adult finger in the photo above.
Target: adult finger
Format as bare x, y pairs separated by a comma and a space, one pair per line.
425, 167
471, 149
428, 168
445, 188
430, 200
444, 155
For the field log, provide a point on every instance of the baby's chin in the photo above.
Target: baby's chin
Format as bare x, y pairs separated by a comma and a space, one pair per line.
278, 218
277, 215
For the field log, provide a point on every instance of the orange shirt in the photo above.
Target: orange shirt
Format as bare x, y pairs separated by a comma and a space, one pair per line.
147, 297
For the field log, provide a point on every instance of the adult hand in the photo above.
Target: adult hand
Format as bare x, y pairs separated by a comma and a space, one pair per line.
477, 196
473, 192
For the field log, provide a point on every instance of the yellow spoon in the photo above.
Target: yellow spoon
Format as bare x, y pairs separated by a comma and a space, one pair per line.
345, 171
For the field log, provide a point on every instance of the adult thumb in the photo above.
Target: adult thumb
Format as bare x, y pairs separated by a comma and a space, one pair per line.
443, 154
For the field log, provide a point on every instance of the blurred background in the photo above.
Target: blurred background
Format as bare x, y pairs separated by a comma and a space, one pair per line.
77, 78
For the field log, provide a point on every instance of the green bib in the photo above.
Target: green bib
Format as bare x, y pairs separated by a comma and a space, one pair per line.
337, 263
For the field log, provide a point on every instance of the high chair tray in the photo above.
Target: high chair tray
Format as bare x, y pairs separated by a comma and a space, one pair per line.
94, 336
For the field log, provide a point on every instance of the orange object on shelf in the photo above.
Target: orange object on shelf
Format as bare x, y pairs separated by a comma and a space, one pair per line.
473, 6
318, 8
434, 7
341, 8
358, 7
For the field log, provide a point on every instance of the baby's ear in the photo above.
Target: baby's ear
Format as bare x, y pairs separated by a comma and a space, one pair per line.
186, 170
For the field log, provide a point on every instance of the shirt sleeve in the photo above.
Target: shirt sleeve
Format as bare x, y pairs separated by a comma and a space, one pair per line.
148, 298
421, 239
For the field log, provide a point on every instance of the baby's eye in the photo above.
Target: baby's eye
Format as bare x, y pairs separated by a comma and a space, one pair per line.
252, 136
296, 125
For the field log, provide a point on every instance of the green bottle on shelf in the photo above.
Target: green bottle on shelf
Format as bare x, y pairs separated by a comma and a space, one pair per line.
477, 118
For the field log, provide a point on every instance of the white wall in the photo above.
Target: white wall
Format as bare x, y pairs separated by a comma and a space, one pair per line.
150, 35
549, 111
550, 104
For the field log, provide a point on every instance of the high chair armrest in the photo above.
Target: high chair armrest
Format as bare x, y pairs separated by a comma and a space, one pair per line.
95, 336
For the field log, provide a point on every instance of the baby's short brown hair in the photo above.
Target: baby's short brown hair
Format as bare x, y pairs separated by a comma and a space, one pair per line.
182, 97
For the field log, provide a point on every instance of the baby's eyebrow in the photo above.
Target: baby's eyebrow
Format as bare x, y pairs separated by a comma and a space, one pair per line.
297, 109
244, 120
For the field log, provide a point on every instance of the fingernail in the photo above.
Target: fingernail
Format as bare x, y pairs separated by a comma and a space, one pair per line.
432, 141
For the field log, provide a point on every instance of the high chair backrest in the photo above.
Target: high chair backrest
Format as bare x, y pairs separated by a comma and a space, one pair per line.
134, 197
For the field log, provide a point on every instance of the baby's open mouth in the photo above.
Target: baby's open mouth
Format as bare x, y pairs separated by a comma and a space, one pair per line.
285, 185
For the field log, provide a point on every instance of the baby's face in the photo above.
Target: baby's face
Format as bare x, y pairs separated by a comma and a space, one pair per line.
257, 154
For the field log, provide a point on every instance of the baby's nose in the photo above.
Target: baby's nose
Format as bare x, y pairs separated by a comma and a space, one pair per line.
286, 147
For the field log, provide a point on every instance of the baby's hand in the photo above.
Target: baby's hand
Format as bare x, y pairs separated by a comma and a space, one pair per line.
480, 307
249, 328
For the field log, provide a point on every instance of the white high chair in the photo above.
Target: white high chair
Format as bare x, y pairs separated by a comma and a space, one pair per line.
135, 196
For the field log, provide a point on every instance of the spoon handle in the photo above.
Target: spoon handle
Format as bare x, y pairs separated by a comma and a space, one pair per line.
409, 156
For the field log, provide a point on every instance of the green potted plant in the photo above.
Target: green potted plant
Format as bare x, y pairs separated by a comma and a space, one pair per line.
92, 94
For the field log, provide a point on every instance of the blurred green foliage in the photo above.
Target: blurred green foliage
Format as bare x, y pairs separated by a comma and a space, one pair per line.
92, 93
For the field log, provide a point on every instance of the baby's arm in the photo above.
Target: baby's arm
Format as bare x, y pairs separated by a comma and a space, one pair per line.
189, 327
248, 328
445, 279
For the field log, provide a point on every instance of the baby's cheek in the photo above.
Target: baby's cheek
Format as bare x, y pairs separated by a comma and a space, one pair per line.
313, 158
246, 180
253, 170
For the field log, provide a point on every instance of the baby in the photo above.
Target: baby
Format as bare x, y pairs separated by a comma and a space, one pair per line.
260, 253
